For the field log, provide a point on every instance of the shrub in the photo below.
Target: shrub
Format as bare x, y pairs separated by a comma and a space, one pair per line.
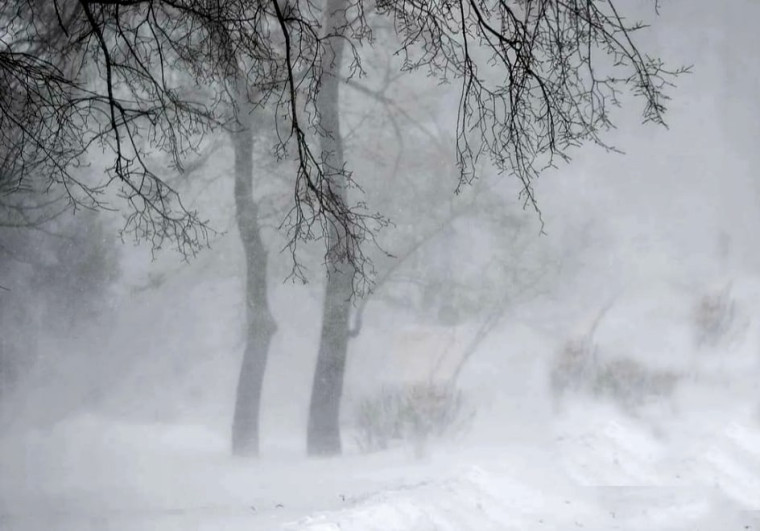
579, 369
410, 413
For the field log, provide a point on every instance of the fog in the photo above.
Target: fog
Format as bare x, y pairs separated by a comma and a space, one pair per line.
120, 363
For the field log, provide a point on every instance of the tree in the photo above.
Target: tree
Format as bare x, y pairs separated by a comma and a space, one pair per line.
324, 411
141, 77
537, 78
147, 78
260, 325
78, 75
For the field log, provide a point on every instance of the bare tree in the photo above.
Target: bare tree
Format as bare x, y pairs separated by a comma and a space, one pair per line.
140, 78
537, 78
324, 412
78, 75
147, 81
134, 77
260, 325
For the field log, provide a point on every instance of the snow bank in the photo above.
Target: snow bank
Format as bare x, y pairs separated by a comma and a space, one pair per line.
486, 499
474, 499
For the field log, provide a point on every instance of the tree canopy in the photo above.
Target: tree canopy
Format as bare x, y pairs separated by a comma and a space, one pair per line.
147, 81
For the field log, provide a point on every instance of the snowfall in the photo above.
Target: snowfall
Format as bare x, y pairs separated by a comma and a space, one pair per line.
127, 426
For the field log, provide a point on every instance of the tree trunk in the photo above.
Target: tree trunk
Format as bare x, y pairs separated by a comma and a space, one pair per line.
323, 436
260, 326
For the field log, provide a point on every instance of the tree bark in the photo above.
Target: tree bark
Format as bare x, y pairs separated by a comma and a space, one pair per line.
260, 325
323, 437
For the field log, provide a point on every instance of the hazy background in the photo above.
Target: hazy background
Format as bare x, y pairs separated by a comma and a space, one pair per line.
100, 331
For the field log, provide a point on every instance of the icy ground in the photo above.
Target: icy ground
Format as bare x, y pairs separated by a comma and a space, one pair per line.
595, 469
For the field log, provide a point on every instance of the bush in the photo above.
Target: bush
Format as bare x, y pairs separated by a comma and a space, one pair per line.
579, 369
411, 413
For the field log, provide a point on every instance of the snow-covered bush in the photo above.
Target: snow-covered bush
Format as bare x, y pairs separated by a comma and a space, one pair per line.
410, 413
580, 369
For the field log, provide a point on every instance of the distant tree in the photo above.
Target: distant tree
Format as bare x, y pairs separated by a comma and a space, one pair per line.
58, 276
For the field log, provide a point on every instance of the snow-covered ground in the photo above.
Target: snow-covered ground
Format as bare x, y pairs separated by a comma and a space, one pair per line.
155, 455
615, 480
126, 426
693, 464
592, 468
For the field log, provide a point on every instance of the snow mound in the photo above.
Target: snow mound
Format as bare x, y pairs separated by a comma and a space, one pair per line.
474, 499
487, 499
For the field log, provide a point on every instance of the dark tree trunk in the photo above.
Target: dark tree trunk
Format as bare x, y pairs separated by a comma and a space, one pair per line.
323, 436
260, 326
324, 412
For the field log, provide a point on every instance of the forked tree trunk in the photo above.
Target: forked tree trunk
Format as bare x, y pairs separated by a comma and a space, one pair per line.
260, 326
323, 437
